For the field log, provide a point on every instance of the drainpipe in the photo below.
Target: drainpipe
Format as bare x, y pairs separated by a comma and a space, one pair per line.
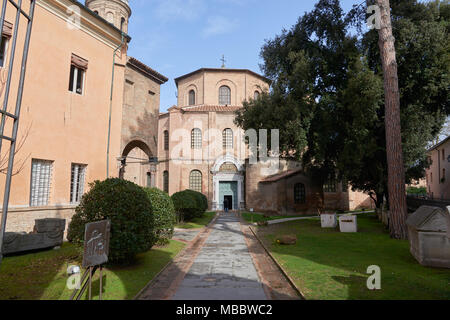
110, 103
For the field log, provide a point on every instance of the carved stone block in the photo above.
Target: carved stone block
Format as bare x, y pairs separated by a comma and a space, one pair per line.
429, 238
48, 233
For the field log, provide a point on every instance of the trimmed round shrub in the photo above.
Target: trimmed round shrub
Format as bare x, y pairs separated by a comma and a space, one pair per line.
128, 208
187, 205
202, 201
164, 214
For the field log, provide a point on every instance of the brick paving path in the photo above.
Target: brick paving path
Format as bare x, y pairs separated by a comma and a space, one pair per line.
224, 269
224, 262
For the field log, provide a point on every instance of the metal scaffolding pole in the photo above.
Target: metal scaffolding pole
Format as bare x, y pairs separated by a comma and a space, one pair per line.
13, 139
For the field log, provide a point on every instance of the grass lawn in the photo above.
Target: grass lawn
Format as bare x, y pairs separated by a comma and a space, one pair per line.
43, 275
257, 217
327, 264
197, 222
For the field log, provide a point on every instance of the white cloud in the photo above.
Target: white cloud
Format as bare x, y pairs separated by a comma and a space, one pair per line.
180, 9
219, 25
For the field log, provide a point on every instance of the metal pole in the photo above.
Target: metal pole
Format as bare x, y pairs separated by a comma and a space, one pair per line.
10, 66
90, 283
110, 105
101, 282
16, 123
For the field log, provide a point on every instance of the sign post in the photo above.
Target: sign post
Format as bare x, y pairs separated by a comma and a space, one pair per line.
96, 250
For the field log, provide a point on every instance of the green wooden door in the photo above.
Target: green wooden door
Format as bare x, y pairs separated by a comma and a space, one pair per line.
228, 188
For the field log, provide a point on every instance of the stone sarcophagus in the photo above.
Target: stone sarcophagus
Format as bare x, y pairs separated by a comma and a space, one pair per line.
348, 223
328, 220
429, 236
48, 233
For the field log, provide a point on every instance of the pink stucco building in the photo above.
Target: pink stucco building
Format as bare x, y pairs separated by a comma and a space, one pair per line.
438, 181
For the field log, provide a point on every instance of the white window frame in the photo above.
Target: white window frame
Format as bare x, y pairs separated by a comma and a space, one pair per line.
75, 80
77, 182
227, 139
5, 55
224, 94
196, 138
41, 182
196, 180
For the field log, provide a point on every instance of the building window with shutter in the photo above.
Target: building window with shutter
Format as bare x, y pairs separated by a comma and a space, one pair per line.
77, 78
256, 95
3, 51
196, 138
227, 139
6, 35
299, 193
195, 181
41, 176
77, 178
224, 95
166, 181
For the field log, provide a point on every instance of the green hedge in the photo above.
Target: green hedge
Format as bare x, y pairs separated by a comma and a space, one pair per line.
128, 208
164, 213
189, 204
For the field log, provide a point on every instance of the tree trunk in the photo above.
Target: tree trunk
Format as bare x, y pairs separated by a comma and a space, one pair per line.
396, 172
379, 200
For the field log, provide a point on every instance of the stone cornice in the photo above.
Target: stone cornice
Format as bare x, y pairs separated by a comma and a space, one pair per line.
92, 24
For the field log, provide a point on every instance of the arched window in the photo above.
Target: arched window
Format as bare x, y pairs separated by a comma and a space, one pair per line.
110, 17
195, 181
166, 181
166, 140
256, 95
299, 193
224, 95
227, 139
330, 185
191, 97
196, 138
122, 24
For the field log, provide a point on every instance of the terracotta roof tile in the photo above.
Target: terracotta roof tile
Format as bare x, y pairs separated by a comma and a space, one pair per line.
211, 108
147, 70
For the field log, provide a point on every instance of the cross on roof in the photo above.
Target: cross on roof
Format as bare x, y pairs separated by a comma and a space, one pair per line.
223, 61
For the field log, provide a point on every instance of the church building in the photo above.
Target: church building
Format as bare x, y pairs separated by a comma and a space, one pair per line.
201, 148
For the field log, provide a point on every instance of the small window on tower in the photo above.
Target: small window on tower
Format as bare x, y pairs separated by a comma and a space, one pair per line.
224, 95
166, 140
191, 97
110, 17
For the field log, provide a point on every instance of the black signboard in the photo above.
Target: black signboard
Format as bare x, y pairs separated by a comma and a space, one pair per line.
96, 243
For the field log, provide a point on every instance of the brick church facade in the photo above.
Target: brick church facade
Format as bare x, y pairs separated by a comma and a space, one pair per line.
201, 148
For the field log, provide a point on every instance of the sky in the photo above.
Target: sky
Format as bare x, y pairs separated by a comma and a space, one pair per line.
175, 37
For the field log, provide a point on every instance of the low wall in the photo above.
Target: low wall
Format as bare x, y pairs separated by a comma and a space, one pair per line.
22, 219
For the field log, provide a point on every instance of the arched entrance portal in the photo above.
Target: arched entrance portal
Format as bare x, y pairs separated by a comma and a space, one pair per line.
228, 184
138, 164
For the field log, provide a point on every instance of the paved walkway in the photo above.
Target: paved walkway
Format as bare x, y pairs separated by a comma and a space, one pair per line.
185, 235
223, 269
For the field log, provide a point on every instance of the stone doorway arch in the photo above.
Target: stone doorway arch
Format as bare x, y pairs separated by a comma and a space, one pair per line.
137, 164
228, 181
